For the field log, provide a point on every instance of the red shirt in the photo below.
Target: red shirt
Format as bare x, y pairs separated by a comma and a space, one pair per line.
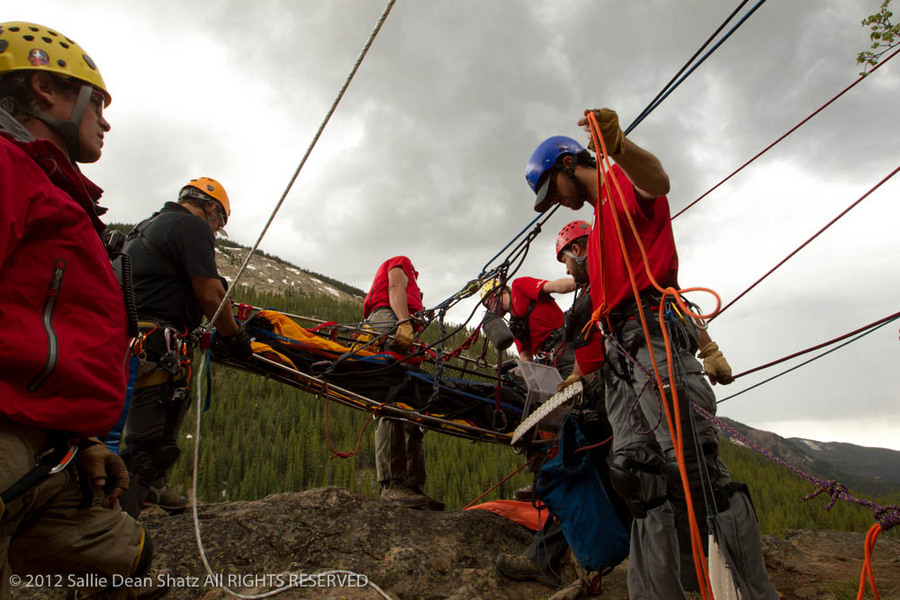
606, 266
546, 316
590, 357
62, 317
378, 293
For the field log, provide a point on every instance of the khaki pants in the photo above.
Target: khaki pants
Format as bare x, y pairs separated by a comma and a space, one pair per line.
46, 532
399, 447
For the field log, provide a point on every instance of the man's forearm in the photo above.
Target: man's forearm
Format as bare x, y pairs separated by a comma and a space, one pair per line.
644, 170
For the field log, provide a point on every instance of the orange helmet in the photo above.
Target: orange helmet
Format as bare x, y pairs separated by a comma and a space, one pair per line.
32, 47
207, 188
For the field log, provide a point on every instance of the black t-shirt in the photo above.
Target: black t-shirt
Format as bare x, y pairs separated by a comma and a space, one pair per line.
166, 251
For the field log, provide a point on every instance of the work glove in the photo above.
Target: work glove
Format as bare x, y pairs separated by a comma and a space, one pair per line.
403, 337
234, 346
104, 469
612, 134
714, 364
571, 379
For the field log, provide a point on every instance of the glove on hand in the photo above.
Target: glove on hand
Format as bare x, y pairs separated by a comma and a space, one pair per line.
403, 338
612, 134
104, 469
572, 378
235, 346
717, 368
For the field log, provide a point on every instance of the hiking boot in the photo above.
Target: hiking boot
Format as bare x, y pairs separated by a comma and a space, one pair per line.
160, 495
432, 504
524, 493
519, 568
396, 493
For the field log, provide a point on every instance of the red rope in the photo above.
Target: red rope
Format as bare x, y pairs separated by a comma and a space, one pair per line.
592, 446
804, 244
818, 346
501, 482
796, 127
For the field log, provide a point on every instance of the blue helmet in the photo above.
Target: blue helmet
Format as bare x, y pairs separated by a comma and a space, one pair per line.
542, 160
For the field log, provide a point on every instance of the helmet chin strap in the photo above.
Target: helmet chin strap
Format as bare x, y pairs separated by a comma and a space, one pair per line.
579, 260
582, 190
70, 128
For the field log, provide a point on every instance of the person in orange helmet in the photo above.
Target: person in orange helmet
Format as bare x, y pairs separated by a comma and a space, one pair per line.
176, 284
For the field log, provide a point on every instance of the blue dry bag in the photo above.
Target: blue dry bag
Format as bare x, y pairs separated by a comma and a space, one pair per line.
572, 489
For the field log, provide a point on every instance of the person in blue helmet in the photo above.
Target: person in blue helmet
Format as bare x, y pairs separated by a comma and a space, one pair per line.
644, 468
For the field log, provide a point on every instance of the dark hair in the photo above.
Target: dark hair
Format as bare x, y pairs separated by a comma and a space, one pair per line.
584, 158
581, 241
202, 203
16, 93
587, 159
16, 96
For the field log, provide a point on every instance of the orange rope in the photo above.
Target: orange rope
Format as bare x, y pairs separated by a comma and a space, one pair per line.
675, 428
867, 572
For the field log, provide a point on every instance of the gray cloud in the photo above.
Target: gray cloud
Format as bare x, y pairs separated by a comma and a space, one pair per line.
426, 154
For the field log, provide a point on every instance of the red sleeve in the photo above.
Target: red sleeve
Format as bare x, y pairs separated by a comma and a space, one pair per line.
523, 291
401, 262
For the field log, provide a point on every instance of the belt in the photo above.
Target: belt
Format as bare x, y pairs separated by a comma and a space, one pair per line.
628, 310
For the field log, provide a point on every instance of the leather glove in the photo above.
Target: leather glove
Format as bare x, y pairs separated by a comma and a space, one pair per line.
572, 378
612, 134
714, 364
403, 337
104, 468
235, 346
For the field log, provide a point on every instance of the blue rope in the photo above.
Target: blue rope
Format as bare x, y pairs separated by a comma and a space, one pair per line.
653, 105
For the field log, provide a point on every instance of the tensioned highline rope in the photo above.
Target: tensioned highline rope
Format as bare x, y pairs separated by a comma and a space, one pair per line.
651, 105
804, 244
672, 88
334, 105
789, 132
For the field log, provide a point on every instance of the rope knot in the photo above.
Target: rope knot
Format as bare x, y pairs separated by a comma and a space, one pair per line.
834, 489
888, 516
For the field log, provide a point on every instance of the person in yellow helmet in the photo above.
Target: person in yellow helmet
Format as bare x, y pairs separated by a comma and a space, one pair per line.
62, 322
176, 284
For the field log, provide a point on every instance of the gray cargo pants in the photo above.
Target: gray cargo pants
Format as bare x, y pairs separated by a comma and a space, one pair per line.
635, 409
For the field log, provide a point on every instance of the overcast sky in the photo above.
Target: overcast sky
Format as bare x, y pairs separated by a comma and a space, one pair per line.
426, 154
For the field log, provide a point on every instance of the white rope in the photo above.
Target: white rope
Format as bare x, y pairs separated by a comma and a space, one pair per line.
196, 518
334, 105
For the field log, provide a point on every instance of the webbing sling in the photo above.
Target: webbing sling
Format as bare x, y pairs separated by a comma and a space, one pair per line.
49, 462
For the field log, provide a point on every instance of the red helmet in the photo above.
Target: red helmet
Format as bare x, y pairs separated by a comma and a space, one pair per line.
570, 233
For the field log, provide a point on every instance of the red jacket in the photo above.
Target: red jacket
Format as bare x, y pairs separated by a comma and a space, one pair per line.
63, 332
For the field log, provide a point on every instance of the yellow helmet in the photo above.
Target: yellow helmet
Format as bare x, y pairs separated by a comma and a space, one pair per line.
206, 188
489, 288
32, 47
